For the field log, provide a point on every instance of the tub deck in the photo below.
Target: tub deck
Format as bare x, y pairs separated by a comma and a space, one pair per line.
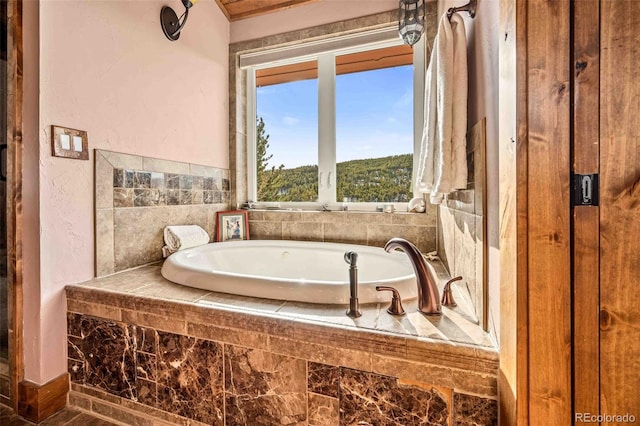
412, 357
456, 326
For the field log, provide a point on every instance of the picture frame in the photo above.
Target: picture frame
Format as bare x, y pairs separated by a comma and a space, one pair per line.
232, 225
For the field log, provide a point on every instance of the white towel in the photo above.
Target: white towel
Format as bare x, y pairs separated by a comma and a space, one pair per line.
442, 165
183, 236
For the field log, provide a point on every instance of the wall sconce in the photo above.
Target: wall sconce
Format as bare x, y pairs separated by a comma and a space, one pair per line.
171, 25
411, 15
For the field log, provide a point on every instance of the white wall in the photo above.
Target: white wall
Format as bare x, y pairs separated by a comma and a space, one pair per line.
310, 15
107, 68
482, 47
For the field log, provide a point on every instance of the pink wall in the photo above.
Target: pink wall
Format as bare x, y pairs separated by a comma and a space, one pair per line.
309, 15
106, 67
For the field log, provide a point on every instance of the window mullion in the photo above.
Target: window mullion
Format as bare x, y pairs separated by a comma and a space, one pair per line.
252, 178
419, 67
327, 128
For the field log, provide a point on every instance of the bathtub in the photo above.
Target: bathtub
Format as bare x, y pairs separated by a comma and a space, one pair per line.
312, 272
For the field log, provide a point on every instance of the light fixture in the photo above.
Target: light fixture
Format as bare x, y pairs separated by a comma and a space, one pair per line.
171, 25
411, 20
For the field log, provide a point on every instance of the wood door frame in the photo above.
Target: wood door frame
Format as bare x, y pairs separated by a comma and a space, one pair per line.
548, 271
535, 222
14, 196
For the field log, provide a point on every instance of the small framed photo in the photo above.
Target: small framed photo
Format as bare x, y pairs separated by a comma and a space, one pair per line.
232, 225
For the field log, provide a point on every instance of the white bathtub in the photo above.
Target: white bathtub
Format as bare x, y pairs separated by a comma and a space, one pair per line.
291, 270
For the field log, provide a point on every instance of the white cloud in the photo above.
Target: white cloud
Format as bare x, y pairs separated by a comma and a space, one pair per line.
290, 121
405, 100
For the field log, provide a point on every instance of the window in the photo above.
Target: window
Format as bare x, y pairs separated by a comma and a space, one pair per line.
335, 124
287, 135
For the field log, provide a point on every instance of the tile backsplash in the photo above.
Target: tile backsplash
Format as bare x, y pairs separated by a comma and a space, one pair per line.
136, 197
352, 227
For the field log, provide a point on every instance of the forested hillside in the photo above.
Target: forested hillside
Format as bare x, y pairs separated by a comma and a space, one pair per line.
385, 179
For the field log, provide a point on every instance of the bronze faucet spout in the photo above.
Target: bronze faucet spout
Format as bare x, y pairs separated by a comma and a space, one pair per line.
428, 295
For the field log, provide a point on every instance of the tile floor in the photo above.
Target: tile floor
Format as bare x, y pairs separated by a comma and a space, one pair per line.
66, 417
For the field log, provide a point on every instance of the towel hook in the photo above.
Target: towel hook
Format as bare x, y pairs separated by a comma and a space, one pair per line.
469, 7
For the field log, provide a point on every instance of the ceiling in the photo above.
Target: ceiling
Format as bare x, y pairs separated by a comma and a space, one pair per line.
241, 9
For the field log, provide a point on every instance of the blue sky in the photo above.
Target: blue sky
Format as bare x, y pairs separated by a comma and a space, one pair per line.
374, 117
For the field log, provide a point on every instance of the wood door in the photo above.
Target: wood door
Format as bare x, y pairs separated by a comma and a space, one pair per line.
620, 208
606, 130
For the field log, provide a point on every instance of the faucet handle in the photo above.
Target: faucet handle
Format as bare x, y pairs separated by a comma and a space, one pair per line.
447, 293
351, 257
396, 303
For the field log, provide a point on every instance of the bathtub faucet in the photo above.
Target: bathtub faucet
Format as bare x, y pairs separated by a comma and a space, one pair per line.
351, 257
428, 296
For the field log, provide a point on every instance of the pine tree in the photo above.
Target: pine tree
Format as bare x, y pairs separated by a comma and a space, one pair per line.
269, 180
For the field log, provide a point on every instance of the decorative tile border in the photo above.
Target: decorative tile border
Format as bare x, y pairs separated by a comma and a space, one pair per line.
136, 197
137, 188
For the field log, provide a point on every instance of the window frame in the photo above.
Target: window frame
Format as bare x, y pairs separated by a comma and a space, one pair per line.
325, 52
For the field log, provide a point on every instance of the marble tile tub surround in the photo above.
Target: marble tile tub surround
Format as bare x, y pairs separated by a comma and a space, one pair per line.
413, 359
216, 372
366, 228
136, 197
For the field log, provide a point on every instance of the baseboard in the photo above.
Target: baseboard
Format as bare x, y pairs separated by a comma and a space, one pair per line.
37, 402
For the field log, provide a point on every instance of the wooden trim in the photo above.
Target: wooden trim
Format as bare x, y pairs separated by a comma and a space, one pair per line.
37, 402
586, 220
522, 206
14, 196
287, 73
548, 280
374, 59
354, 62
512, 380
242, 9
619, 209
223, 9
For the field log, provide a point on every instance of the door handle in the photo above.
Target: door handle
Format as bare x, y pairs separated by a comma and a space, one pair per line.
3, 162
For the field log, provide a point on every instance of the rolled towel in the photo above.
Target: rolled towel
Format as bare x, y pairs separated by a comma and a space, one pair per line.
180, 237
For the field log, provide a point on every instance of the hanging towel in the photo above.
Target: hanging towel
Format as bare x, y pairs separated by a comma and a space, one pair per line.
442, 165
183, 236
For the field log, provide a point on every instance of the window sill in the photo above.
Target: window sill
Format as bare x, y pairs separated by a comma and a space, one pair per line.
331, 207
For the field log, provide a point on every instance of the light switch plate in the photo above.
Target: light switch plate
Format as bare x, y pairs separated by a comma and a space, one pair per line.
69, 143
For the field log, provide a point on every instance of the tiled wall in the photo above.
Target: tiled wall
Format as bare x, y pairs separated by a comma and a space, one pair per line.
460, 224
145, 376
136, 197
373, 229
